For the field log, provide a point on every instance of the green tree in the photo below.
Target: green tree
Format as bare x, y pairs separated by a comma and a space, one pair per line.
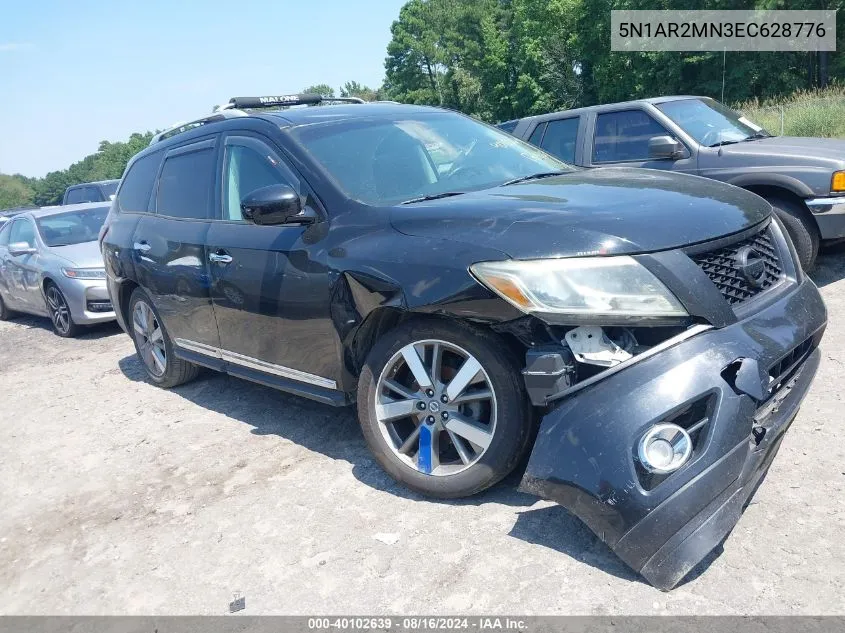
15, 191
324, 90
354, 89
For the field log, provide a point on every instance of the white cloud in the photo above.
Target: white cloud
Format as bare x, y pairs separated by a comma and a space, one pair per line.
15, 46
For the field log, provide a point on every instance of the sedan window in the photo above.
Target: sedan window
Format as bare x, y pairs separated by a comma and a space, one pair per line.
73, 227
384, 161
22, 231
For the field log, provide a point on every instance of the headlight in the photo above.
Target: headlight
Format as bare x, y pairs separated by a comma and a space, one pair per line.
591, 286
84, 273
837, 183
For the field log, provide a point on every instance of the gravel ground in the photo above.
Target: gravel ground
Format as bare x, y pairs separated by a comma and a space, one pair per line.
119, 497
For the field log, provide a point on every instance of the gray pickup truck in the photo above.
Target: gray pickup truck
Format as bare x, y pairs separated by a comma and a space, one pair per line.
803, 178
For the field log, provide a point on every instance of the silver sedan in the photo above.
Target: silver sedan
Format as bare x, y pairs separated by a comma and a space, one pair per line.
51, 265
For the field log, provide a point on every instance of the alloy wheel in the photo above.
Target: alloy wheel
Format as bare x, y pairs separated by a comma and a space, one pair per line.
59, 311
150, 338
436, 407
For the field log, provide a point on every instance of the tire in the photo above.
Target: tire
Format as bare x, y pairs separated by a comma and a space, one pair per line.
506, 418
5, 313
153, 345
802, 230
59, 311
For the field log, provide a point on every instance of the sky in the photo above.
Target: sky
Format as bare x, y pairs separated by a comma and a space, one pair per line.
75, 73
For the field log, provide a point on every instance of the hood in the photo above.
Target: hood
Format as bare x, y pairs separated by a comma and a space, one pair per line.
84, 255
611, 211
791, 150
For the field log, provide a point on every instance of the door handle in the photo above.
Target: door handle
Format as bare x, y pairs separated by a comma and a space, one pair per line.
141, 246
220, 258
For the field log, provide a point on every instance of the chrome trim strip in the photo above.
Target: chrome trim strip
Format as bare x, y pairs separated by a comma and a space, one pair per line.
199, 348
831, 206
670, 342
278, 370
254, 363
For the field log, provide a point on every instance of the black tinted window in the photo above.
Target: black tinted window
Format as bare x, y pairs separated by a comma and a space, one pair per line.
537, 134
560, 138
138, 183
624, 136
75, 196
186, 183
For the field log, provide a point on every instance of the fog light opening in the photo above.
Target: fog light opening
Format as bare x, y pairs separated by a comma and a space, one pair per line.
664, 449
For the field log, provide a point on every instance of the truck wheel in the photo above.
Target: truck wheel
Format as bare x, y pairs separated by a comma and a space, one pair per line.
5, 313
443, 408
802, 230
153, 345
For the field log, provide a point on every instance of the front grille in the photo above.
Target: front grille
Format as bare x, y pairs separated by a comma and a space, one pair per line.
784, 367
723, 268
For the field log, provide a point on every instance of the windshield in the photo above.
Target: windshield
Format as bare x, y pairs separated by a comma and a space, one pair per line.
108, 189
73, 227
382, 162
711, 123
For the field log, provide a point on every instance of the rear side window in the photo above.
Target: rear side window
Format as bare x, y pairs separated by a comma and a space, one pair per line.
137, 185
624, 135
537, 134
560, 138
74, 196
186, 184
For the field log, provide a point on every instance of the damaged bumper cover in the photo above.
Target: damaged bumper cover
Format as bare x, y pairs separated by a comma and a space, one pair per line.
739, 387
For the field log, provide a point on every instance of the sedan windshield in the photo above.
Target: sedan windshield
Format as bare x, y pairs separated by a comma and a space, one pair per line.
421, 156
72, 227
711, 123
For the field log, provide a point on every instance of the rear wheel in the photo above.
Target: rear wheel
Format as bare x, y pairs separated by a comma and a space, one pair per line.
442, 408
5, 313
153, 345
59, 310
801, 227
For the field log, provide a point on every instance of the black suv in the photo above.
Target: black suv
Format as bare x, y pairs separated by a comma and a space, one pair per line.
647, 336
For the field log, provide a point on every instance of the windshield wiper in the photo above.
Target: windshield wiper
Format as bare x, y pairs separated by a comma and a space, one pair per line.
434, 196
720, 143
542, 174
760, 134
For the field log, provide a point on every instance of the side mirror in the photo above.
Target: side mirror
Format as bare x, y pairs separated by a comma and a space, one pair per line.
663, 147
21, 248
276, 204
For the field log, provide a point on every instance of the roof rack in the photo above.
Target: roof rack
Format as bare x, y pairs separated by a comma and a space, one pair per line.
236, 106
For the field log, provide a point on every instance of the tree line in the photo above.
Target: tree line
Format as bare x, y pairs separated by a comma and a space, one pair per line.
504, 59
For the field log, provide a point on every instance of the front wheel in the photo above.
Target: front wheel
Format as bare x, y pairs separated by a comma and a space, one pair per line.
802, 230
60, 315
443, 408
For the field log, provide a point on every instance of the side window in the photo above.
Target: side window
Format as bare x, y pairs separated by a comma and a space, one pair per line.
537, 134
247, 167
75, 196
137, 185
22, 231
92, 194
4, 233
186, 184
560, 138
624, 135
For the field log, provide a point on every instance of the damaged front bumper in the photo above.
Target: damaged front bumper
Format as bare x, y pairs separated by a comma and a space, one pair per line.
737, 387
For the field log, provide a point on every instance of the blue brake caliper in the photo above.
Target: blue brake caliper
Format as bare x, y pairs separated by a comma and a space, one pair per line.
424, 453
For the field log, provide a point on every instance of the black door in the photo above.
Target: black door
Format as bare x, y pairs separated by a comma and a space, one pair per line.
270, 285
169, 246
